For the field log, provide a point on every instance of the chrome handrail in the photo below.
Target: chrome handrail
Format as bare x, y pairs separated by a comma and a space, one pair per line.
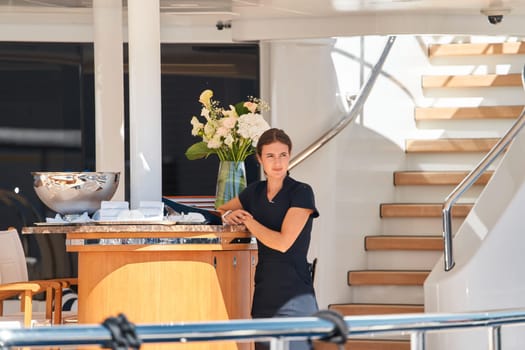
471, 178
355, 109
275, 329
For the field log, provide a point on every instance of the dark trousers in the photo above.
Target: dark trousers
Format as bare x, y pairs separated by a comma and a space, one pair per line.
301, 305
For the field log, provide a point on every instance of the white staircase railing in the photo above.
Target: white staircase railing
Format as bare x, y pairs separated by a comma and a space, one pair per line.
471, 178
355, 109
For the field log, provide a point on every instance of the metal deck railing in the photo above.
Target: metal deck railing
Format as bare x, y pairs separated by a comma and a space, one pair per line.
276, 330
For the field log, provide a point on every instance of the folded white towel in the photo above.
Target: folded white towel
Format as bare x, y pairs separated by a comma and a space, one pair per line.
110, 212
114, 205
126, 215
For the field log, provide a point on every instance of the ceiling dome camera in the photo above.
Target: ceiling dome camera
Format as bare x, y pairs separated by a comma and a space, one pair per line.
495, 19
495, 15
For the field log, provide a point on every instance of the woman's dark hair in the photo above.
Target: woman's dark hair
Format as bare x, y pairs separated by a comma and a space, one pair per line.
271, 136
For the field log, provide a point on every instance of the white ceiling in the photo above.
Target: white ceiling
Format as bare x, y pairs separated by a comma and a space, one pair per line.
294, 8
279, 19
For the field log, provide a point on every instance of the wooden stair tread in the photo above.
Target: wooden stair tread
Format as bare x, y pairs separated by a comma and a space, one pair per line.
453, 113
450, 145
428, 210
471, 81
387, 277
355, 309
474, 49
417, 178
366, 344
434, 243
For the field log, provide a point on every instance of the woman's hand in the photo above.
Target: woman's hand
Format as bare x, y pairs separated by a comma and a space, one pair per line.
236, 217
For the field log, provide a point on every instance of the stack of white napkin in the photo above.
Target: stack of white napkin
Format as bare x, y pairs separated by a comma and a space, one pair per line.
111, 210
152, 210
119, 211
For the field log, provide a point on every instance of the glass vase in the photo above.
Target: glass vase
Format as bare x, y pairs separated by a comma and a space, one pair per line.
231, 180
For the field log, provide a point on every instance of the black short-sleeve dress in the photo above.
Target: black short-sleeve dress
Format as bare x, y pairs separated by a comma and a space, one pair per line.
280, 277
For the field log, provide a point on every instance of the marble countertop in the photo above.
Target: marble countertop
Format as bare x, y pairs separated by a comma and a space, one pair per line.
117, 227
148, 236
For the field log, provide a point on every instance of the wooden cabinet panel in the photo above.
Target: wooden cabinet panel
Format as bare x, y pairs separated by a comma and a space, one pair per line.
167, 286
234, 274
149, 287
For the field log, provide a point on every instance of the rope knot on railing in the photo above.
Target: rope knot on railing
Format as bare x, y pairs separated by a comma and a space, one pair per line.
339, 334
123, 334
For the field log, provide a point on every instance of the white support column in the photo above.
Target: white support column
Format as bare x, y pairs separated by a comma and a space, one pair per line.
303, 100
144, 101
109, 90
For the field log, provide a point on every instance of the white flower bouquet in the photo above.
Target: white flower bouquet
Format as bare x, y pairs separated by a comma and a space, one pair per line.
231, 134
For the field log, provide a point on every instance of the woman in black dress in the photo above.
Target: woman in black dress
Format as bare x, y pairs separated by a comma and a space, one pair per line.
279, 212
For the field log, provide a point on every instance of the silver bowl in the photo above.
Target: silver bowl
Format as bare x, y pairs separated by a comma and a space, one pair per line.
75, 192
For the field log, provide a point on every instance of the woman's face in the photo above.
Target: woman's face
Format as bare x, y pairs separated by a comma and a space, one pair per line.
274, 159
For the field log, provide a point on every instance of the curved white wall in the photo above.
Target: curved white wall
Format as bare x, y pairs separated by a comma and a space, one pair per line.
488, 251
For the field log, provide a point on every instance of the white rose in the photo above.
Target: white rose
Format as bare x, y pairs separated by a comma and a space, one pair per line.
251, 126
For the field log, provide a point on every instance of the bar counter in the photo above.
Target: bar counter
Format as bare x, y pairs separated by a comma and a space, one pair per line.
160, 273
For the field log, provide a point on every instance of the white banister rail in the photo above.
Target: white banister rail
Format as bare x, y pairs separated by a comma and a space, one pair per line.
471, 178
355, 109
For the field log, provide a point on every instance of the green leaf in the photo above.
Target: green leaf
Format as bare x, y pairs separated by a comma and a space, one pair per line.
199, 150
240, 109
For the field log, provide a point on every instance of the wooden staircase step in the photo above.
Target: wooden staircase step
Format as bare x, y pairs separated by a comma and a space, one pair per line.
450, 145
375, 309
421, 178
404, 243
470, 81
387, 277
474, 49
457, 113
366, 344
422, 210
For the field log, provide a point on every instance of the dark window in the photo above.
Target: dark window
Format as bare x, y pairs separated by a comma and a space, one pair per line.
47, 120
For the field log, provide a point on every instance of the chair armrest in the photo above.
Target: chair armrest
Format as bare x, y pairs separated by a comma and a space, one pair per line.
26, 291
66, 281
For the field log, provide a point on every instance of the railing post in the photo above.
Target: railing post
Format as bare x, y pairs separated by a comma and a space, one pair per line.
417, 340
447, 237
495, 338
279, 344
